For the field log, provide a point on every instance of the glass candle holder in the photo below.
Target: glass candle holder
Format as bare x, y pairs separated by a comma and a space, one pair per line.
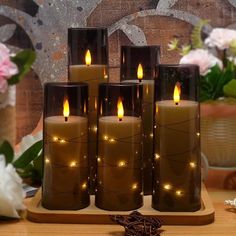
88, 60
138, 63
177, 170
119, 163
65, 149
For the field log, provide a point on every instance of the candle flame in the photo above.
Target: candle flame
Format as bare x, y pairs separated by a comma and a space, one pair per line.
88, 58
177, 92
140, 72
120, 109
105, 73
95, 104
85, 108
66, 108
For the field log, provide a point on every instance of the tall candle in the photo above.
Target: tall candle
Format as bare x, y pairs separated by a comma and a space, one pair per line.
176, 157
93, 75
147, 116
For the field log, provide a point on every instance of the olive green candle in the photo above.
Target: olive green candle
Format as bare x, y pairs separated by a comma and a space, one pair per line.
65, 147
176, 160
119, 185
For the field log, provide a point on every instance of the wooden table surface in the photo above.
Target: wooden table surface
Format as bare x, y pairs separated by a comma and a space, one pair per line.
225, 224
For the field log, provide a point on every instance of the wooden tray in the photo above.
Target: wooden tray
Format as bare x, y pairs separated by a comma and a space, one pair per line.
93, 215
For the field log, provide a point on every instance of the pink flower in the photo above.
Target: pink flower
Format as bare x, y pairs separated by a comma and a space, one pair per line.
203, 59
7, 67
220, 38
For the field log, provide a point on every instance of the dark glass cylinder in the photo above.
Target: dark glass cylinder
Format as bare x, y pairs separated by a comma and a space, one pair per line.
119, 163
177, 170
65, 149
138, 63
88, 60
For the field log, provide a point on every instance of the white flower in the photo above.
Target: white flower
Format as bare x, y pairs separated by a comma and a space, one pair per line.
11, 192
220, 38
27, 141
203, 59
233, 59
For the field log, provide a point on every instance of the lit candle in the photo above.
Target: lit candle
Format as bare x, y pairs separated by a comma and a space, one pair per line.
176, 154
65, 161
93, 74
119, 175
147, 116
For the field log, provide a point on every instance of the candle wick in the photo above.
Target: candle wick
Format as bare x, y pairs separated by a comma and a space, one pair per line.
140, 80
120, 119
176, 103
66, 118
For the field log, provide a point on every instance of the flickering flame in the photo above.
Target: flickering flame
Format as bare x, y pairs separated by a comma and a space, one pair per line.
105, 73
140, 72
88, 58
85, 108
177, 92
66, 108
95, 104
120, 109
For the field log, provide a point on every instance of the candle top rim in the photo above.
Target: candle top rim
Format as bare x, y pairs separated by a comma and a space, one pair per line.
182, 103
61, 119
111, 118
66, 84
149, 81
87, 66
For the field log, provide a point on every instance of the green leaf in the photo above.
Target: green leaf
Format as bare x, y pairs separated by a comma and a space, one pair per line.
24, 61
29, 155
209, 83
27, 172
7, 150
196, 35
225, 77
230, 89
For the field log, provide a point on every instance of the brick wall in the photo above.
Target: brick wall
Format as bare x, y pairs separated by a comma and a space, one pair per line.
158, 30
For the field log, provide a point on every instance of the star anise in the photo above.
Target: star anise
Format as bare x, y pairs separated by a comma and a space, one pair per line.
137, 224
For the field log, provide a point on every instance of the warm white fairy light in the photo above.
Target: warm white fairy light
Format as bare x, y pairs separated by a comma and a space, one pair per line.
55, 139
105, 137
179, 193
95, 128
151, 135
198, 134
134, 186
84, 185
112, 140
73, 164
62, 140
99, 159
192, 164
47, 161
167, 187
157, 156
121, 164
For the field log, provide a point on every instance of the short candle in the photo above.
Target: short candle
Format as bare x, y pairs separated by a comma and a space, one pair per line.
119, 174
65, 169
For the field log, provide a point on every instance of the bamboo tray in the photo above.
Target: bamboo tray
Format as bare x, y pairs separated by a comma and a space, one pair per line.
93, 215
